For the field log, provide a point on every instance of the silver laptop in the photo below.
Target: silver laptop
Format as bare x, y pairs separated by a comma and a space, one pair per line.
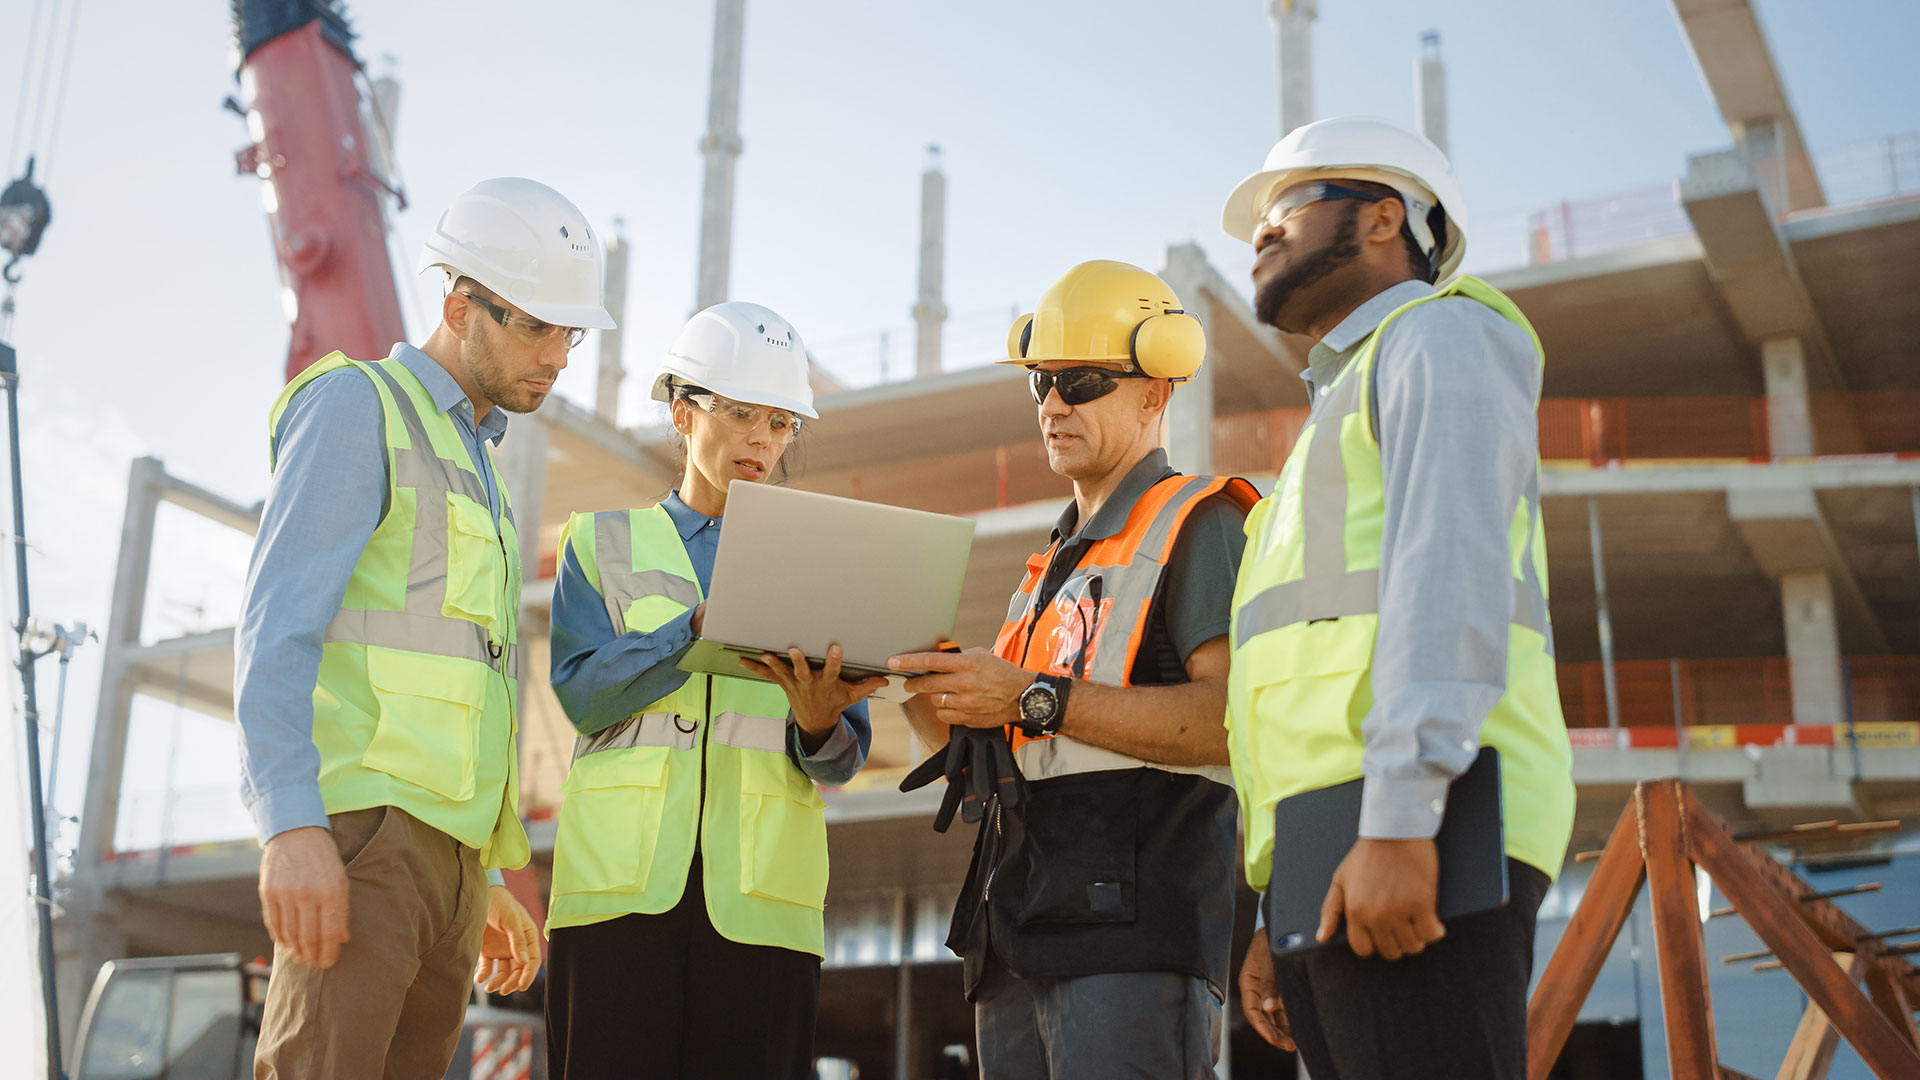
796, 569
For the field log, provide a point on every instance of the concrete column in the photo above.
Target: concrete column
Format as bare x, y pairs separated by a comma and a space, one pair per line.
1189, 419
1430, 90
1293, 34
1789, 409
721, 148
1813, 647
930, 311
606, 392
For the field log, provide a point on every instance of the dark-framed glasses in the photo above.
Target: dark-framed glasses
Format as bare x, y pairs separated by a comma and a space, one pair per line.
1077, 385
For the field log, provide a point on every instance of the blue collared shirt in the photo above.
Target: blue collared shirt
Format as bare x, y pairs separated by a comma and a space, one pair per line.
601, 677
329, 493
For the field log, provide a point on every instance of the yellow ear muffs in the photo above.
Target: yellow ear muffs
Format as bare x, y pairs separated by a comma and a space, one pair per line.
1020, 337
1169, 345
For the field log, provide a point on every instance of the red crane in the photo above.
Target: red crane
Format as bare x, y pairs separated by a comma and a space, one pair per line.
321, 191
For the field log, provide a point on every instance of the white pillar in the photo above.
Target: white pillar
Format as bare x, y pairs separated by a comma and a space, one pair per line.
523, 468
1430, 90
1293, 31
606, 391
929, 312
1189, 419
1789, 411
1813, 647
721, 147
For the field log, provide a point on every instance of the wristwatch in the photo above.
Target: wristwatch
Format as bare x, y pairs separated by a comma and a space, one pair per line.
1043, 706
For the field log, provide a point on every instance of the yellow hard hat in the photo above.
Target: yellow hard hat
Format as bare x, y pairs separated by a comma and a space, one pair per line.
1113, 312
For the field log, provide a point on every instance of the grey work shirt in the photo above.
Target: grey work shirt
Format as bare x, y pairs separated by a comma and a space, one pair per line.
1454, 405
329, 493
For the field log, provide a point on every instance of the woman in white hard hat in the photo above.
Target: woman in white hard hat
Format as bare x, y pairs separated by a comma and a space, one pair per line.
690, 868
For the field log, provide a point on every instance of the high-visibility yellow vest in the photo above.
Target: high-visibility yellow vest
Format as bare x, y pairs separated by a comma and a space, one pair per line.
704, 768
414, 704
1306, 611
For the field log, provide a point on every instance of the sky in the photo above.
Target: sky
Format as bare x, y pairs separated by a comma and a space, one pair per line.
150, 322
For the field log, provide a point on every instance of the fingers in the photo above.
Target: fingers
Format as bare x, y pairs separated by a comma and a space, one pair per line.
270, 914
1428, 927
1331, 909
830, 671
333, 926
306, 933
931, 661
1277, 1018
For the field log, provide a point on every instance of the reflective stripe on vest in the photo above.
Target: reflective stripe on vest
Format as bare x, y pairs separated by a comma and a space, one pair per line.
1307, 614
1326, 589
704, 768
1101, 642
423, 626
414, 697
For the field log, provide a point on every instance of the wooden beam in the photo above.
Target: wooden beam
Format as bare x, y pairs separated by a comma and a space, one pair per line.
1810, 1054
1786, 928
1891, 998
1584, 945
1685, 1001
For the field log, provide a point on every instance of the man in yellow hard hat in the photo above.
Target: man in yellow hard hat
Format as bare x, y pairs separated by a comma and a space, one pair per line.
1391, 614
1097, 915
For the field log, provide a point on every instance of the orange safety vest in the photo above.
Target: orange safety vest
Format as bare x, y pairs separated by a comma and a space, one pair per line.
1093, 627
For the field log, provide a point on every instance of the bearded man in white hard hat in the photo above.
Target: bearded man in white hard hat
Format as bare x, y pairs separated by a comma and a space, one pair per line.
377, 655
1390, 619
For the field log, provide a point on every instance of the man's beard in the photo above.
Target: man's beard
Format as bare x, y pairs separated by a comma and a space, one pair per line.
496, 386
1338, 252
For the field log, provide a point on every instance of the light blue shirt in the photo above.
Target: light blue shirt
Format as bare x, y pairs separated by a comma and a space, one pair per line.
329, 493
601, 677
1454, 392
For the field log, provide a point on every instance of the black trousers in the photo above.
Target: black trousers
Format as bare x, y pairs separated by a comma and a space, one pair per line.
1457, 1010
665, 996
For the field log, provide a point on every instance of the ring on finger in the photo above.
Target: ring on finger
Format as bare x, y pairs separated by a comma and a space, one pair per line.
943, 699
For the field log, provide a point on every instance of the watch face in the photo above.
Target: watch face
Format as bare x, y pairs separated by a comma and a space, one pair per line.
1036, 702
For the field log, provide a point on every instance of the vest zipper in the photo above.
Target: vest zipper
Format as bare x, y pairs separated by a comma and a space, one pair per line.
700, 818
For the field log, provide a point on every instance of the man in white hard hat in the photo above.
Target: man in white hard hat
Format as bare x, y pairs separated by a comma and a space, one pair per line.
1390, 618
377, 655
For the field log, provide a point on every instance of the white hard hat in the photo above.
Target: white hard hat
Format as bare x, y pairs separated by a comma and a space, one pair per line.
1360, 148
528, 244
742, 351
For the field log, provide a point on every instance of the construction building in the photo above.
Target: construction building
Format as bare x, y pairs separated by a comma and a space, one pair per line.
1732, 490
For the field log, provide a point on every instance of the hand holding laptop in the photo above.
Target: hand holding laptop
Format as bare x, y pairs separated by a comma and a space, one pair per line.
816, 697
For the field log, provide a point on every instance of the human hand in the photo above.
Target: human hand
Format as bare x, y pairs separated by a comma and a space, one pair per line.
510, 947
1387, 890
974, 688
303, 894
817, 698
1260, 994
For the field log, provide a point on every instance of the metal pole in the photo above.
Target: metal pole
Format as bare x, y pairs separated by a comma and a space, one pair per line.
42, 883
1604, 617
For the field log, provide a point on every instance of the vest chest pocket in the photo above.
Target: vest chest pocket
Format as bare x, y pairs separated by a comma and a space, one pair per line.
1309, 687
610, 821
429, 727
783, 834
475, 565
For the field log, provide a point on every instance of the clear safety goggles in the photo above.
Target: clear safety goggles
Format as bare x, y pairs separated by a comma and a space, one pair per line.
743, 418
528, 329
1291, 201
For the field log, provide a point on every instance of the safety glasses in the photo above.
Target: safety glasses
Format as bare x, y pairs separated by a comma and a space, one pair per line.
529, 330
744, 418
1287, 203
1077, 385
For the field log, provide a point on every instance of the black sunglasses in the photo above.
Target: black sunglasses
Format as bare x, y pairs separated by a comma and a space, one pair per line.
1077, 385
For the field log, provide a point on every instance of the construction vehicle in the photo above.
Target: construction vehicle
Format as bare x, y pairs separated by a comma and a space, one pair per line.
198, 1018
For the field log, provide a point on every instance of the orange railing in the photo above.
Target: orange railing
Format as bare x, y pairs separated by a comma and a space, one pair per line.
1755, 690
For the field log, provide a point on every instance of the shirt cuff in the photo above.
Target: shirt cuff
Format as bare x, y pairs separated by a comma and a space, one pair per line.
828, 765
1402, 808
292, 807
495, 877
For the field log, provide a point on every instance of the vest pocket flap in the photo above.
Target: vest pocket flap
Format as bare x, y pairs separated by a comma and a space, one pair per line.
644, 766
1327, 647
442, 678
476, 563
429, 728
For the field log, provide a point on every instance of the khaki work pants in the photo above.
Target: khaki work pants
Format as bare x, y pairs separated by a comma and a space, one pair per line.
393, 1003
